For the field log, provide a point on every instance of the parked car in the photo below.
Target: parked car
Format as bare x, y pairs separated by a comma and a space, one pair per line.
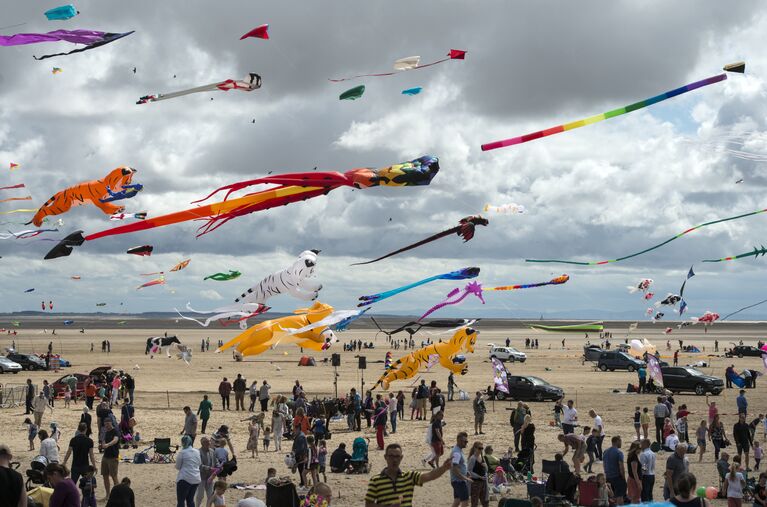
27, 361
60, 386
616, 360
6, 365
686, 378
744, 350
509, 354
592, 353
528, 387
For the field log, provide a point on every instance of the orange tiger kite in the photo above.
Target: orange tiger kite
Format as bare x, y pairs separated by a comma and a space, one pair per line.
89, 192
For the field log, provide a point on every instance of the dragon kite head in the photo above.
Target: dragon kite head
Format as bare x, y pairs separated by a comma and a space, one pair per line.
468, 224
476, 289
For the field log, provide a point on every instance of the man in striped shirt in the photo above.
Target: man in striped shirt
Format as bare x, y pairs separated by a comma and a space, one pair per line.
393, 487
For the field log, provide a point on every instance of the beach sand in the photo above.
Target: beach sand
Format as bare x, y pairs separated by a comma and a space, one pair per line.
164, 386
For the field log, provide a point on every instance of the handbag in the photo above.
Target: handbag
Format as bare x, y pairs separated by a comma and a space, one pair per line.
725, 443
290, 460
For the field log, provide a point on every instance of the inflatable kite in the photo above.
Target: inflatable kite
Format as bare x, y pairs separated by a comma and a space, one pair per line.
291, 187
707, 319
755, 253
643, 285
331, 321
407, 366
90, 192
412, 327
739, 67
269, 333
599, 263
178, 267
353, 93
91, 38
658, 316
409, 63
25, 234
593, 327
387, 361
156, 281
250, 83
259, 32
344, 324
554, 281
465, 229
412, 91
294, 281
223, 277
127, 192
61, 13
500, 375
143, 250
640, 347
505, 209
669, 300
226, 314
123, 216
455, 296
461, 274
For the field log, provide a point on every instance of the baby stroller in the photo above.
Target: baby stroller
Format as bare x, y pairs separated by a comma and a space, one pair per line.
36, 474
523, 464
359, 461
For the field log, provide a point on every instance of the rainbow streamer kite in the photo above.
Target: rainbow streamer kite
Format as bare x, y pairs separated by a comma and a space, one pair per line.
554, 281
739, 67
599, 263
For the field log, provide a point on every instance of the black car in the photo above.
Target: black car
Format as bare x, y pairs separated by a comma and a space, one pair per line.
685, 378
531, 388
744, 350
27, 361
617, 360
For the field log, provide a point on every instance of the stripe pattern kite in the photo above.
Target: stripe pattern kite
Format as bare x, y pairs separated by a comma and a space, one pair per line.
615, 112
755, 253
554, 281
461, 274
654, 247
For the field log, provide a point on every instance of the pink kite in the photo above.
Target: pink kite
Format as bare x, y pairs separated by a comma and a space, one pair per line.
259, 32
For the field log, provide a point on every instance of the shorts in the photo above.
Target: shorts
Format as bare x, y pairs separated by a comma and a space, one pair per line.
109, 467
637, 425
460, 490
479, 418
618, 485
702, 444
743, 446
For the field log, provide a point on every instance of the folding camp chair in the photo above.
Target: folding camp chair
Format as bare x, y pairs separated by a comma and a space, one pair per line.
163, 451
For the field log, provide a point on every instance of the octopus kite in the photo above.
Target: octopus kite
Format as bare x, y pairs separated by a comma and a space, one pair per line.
448, 353
269, 333
465, 229
291, 187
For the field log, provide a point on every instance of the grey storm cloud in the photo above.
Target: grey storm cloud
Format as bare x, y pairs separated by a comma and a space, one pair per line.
599, 192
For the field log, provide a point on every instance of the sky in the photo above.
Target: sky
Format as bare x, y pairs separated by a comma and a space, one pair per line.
594, 193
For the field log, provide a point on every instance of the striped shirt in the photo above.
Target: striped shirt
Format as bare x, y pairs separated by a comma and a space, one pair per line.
383, 490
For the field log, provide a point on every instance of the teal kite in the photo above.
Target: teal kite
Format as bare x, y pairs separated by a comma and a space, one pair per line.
352, 93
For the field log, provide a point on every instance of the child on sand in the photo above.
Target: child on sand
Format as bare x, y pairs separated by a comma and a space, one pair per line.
757, 454
604, 492
254, 430
645, 421
217, 498
637, 421
67, 397
267, 438
32, 427
322, 455
700, 435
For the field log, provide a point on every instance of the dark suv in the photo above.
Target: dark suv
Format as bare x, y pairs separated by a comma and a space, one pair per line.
616, 360
743, 350
685, 378
27, 361
528, 387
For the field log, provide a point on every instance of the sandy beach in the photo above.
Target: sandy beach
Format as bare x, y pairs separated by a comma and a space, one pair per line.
164, 386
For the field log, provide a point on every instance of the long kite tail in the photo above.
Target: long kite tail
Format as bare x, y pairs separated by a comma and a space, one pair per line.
691, 229
435, 237
445, 302
604, 116
374, 298
756, 252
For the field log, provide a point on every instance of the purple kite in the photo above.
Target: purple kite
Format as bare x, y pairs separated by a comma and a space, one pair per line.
91, 38
453, 298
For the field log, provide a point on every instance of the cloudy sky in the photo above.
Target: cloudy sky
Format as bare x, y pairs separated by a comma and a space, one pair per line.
594, 193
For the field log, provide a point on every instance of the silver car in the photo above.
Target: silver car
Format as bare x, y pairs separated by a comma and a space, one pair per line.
6, 365
507, 354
